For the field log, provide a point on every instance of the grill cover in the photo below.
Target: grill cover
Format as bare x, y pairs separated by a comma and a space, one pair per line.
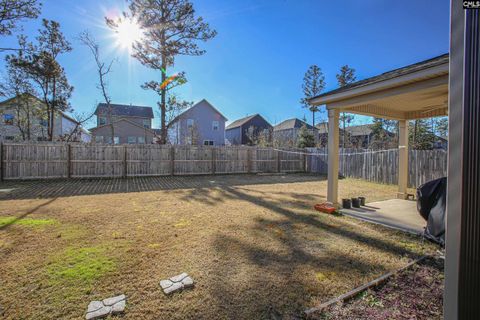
431, 204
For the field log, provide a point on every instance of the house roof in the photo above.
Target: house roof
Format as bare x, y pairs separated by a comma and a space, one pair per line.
120, 120
291, 124
322, 128
196, 105
242, 121
125, 110
422, 65
360, 130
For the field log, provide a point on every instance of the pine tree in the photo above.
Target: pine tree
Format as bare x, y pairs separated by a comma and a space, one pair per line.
13, 11
40, 63
344, 78
171, 29
313, 85
421, 136
306, 138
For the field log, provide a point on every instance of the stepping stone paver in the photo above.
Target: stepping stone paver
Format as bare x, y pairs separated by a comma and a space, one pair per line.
101, 309
176, 283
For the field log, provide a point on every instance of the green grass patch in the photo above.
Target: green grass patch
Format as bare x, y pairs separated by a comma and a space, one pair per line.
81, 264
26, 221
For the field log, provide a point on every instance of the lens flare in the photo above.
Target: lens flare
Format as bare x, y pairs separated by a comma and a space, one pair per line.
128, 32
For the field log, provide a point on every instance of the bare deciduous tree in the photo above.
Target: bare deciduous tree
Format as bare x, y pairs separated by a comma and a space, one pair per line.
103, 70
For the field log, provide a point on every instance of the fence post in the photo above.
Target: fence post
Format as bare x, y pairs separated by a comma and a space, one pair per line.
2, 164
213, 161
172, 160
125, 173
279, 169
249, 160
69, 161
305, 160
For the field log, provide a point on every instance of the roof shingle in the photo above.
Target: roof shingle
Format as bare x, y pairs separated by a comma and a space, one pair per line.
291, 124
125, 110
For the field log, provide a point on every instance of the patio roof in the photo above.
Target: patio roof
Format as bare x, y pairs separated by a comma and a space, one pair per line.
419, 90
416, 91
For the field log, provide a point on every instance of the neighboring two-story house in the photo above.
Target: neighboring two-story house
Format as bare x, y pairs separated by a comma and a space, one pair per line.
24, 118
241, 131
285, 134
202, 124
130, 124
362, 136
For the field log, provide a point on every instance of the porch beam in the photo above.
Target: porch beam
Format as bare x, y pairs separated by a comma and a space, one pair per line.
402, 159
333, 142
363, 96
376, 111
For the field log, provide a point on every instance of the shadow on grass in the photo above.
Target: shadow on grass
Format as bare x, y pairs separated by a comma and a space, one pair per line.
77, 187
22, 216
277, 286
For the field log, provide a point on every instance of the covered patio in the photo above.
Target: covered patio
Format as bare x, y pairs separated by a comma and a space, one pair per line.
413, 92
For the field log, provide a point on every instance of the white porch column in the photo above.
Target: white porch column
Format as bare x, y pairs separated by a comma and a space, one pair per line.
402, 159
333, 139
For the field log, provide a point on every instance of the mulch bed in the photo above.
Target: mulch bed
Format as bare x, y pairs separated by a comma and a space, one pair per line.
415, 293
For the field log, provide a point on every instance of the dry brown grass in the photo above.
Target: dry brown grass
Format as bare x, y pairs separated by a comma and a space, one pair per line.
253, 249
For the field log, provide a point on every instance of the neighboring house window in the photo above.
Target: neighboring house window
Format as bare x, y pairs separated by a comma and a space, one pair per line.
141, 139
9, 138
108, 139
116, 140
190, 123
102, 121
146, 123
8, 118
132, 139
188, 140
42, 139
215, 125
99, 139
208, 142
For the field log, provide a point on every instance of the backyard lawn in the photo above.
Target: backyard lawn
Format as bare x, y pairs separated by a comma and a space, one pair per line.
253, 245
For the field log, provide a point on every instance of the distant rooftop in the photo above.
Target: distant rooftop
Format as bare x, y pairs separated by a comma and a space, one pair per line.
241, 122
125, 110
292, 124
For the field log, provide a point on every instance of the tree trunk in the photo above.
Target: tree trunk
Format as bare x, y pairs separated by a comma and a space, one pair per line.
163, 107
415, 128
52, 110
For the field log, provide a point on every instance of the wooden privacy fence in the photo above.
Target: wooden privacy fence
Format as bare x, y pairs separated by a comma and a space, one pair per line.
63, 160
382, 166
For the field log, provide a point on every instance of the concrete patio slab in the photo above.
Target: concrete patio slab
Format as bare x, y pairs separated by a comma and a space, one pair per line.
394, 213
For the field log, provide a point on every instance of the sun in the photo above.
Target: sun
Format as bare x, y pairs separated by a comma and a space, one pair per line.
128, 32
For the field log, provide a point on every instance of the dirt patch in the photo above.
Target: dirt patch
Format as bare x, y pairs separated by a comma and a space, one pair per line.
253, 249
415, 293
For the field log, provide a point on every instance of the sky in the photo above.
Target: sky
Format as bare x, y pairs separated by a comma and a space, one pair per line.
263, 48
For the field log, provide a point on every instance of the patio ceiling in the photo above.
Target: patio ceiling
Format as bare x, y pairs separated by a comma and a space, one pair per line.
416, 91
